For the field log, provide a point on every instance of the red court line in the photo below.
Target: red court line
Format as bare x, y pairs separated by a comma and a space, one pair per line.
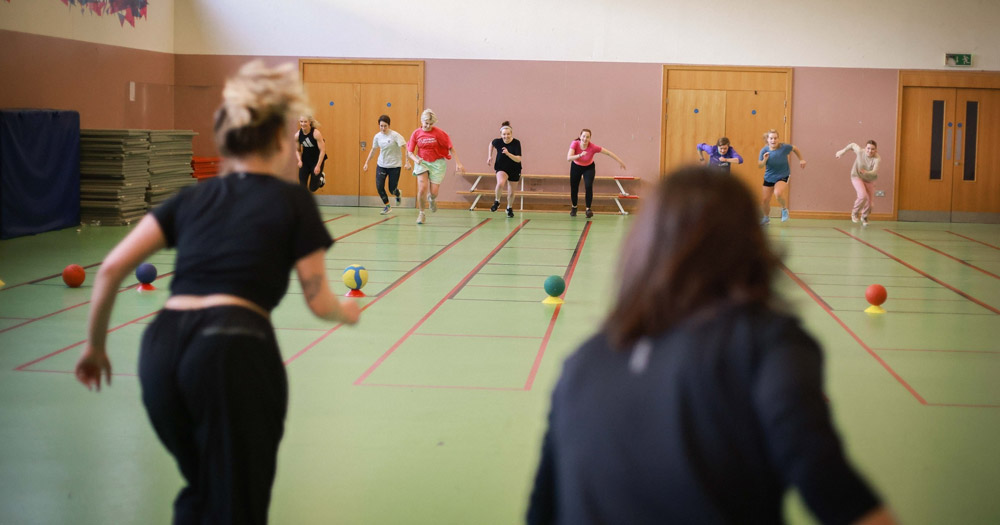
378, 362
921, 272
952, 257
40, 279
961, 405
568, 276
392, 287
78, 343
450, 387
335, 218
75, 305
498, 286
974, 240
850, 332
364, 228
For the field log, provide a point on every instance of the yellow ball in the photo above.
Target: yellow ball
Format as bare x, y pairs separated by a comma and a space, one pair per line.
355, 276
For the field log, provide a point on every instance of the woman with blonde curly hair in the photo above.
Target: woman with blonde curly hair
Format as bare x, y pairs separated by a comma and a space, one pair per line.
310, 153
213, 382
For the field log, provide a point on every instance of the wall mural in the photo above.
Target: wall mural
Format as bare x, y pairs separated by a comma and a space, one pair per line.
127, 10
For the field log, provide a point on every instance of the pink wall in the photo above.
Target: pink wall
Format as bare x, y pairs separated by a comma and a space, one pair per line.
830, 108
56, 73
547, 104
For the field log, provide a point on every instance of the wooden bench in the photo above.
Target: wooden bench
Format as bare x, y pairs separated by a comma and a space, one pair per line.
522, 194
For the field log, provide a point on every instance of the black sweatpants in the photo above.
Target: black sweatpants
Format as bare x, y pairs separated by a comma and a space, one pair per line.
216, 393
308, 179
380, 176
576, 172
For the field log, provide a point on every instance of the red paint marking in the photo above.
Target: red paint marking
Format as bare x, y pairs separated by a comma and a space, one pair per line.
921, 272
962, 405
398, 282
481, 335
78, 343
364, 228
335, 218
447, 296
46, 278
952, 257
568, 276
850, 332
975, 240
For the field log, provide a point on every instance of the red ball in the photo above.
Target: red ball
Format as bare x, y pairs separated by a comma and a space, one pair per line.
73, 275
876, 294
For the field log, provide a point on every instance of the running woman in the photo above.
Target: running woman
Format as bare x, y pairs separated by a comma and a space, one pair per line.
508, 165
863, 175
312, 148
212, 379
582, 166
429, 148
721, 155
774, 159
390, 157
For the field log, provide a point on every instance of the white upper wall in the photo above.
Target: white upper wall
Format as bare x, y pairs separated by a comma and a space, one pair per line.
155, 32
907, 34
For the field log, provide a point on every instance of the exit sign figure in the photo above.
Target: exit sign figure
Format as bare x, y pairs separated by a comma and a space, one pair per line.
957, 59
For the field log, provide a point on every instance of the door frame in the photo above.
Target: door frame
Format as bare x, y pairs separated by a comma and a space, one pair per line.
362, 79
665, 86
932, 78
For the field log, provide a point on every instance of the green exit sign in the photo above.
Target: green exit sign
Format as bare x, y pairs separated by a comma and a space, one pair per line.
957, 59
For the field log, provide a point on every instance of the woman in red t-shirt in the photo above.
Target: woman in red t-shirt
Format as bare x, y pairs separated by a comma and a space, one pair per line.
581, 157
429, 147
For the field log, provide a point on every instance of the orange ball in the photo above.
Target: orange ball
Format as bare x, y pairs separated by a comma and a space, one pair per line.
876, 294
73, 275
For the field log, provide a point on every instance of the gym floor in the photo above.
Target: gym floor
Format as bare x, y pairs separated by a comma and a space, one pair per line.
432, 408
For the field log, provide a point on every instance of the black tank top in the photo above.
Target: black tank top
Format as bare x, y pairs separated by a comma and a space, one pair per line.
310, 149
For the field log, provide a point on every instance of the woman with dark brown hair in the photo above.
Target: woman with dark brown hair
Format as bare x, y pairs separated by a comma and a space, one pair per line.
698, 401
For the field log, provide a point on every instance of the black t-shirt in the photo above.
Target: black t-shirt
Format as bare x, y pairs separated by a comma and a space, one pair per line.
505, 163
240, 234
708, 423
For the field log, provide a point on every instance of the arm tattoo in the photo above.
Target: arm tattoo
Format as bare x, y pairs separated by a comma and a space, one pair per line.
311, 286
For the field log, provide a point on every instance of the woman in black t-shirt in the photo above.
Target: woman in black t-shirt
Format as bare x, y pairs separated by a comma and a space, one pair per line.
213, 382
508, 165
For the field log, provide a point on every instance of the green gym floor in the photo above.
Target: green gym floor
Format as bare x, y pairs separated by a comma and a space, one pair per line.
432, 408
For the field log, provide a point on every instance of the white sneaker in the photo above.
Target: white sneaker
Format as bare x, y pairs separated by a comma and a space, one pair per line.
854, 217
322, 179
420, 218
385, 211
864, 221
434, 204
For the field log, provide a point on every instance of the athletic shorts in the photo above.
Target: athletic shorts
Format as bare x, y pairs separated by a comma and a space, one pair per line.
434, 170
511, 177
771, 184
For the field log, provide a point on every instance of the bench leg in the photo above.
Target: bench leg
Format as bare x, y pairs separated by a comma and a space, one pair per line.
618, 202
473, 207
620, 187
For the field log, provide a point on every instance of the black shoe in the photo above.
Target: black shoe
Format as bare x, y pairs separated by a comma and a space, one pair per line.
510, 212
589, 213
496, 204
399, 197
572, 211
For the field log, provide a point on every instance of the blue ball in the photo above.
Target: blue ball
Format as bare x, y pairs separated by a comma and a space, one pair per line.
554, 286
145, 273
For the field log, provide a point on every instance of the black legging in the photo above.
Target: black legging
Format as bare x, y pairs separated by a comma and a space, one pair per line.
576, 172
307, 177
380, 174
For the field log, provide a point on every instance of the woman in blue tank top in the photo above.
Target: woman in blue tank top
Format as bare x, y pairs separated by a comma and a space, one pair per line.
774, 159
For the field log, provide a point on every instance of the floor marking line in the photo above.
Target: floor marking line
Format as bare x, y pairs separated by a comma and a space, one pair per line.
952, 257
921, 272
394, 285
850, 332
378, 362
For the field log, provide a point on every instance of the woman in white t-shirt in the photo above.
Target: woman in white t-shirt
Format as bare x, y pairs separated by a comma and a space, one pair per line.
863, 175
390, 158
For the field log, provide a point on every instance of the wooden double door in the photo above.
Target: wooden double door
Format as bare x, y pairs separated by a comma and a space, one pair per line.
703, 104
949, 162
347, 99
